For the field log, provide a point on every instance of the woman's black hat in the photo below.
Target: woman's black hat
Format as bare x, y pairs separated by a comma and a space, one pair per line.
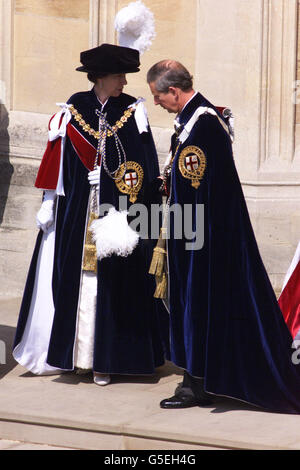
108, 58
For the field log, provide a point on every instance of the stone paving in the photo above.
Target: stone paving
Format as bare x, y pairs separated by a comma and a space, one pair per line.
16, 445
70, 411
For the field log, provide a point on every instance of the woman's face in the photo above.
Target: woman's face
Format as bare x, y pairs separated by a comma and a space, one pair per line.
113, 84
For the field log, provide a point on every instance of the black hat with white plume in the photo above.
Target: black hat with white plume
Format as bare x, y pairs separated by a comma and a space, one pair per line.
135, 27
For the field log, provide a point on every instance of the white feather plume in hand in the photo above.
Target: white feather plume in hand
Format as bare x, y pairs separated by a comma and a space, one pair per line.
112, 235
135, 26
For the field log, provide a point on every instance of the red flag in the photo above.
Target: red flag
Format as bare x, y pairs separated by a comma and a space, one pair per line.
289, 300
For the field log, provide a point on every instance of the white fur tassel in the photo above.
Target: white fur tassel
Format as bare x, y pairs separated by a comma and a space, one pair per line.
112, 235
135, 26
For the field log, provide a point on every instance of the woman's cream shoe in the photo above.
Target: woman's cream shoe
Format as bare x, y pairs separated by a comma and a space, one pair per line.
101, 379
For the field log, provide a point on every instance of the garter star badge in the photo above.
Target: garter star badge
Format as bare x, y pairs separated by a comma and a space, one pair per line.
192, 164
129, 179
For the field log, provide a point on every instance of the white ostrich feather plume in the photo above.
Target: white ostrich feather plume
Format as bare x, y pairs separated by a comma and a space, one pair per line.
135, 26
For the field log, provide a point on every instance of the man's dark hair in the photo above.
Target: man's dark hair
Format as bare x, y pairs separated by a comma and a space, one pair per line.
168, 73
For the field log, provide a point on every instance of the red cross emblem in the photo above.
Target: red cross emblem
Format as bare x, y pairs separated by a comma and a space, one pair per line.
191, 162
131, 179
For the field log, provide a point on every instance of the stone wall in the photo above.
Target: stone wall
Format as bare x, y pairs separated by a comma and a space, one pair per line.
47, 36
40, 44
243, 54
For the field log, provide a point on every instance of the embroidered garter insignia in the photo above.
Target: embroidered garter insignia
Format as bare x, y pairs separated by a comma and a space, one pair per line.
192, 164
129, 179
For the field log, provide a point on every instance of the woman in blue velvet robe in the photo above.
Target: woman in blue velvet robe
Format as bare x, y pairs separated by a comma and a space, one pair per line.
129, 325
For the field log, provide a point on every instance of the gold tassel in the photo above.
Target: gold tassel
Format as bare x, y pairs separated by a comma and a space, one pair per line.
161, 286
158, 261
90, 253
158, 267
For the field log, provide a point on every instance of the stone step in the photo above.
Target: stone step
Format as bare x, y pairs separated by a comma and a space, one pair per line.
70, 411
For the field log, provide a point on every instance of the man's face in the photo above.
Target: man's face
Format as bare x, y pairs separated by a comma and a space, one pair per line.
113, 84
168, 101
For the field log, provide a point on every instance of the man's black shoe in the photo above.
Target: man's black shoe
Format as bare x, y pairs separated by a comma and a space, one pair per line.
184, 401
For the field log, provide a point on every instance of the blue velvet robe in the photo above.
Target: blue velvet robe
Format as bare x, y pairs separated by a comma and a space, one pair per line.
131, 332
226, 325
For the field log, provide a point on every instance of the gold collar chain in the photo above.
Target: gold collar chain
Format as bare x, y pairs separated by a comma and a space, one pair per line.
87, 128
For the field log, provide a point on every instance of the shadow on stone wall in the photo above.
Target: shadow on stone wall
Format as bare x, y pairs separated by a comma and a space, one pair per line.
7, 362
6, 168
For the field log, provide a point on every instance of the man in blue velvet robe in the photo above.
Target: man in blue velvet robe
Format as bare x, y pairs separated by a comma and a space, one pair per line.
121, 325
226, 329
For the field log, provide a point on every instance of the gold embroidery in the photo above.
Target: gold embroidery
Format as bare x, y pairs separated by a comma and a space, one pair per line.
87, 128
135, 179
192, 164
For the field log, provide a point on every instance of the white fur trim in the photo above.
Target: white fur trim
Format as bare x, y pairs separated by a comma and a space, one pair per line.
84, 342
135, 26
140, 115
113, 235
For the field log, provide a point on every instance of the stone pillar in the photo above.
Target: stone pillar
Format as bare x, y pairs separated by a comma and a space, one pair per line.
274, 194
246, 59
102, 15
6, 48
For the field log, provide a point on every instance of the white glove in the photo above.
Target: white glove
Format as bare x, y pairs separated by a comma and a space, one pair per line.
45, 216
94, 176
